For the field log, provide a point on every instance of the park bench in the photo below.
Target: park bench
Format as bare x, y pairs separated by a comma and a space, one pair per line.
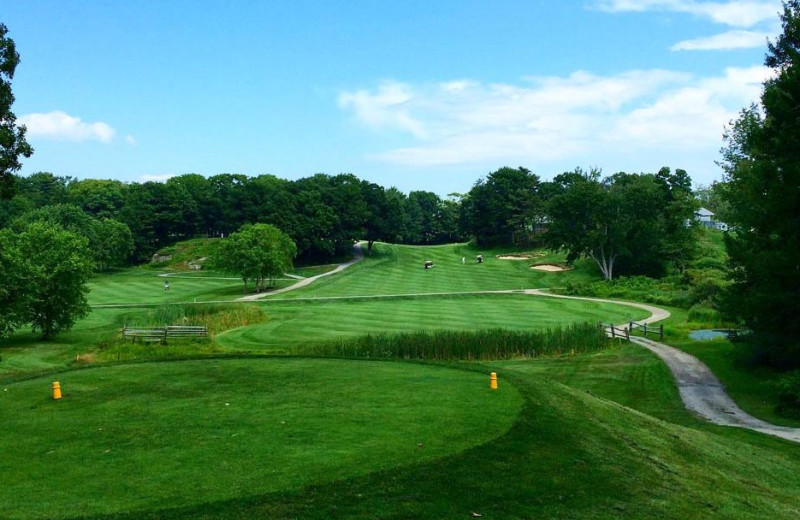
163, 333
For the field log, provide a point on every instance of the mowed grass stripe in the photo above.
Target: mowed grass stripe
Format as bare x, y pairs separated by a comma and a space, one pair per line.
308, 322
396, 269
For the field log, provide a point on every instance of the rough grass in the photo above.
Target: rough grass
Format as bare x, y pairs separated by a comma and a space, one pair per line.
469, 346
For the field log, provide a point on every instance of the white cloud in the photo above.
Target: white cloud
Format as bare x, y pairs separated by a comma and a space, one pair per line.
130, 140
156, 177
385, 108
581, 117
725, 41
61, 126
735, 13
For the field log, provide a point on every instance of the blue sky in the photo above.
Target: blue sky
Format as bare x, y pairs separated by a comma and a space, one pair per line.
414, 94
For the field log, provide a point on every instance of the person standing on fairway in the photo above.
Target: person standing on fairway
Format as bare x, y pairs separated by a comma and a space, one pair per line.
166, 285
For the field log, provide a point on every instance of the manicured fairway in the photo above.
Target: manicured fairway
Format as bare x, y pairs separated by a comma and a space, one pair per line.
396, 269
148, 436
143, 286
306, 322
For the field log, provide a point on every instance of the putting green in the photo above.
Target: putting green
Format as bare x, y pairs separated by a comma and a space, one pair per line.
157, 435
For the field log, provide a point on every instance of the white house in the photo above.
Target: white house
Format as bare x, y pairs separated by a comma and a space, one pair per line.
706, 218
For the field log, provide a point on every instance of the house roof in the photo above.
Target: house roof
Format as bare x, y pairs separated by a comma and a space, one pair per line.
703, 212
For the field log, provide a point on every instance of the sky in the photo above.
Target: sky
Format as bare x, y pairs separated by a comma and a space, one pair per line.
421, 95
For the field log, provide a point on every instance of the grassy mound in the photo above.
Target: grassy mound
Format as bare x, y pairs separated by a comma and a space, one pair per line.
150, 436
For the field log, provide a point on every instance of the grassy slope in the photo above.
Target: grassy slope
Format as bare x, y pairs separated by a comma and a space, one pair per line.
571, 455
396, 269
193, 432
306, 322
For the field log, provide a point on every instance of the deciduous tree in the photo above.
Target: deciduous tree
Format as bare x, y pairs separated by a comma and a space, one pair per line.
258, 253
12, 137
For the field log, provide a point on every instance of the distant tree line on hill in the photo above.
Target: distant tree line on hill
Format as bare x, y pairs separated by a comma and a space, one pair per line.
634, 223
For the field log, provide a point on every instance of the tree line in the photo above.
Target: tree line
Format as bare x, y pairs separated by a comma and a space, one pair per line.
634, 222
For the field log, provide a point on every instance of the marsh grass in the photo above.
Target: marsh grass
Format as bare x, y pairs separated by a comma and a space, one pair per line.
482, 345
217, 317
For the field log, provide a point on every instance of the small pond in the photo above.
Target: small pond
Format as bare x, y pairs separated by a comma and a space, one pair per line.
707, 334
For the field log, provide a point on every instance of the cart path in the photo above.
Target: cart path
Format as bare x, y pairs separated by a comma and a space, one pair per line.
701, 392
359, 255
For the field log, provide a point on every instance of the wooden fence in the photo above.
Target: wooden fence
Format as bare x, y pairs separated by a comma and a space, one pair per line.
625, 332
161, 334
659, 330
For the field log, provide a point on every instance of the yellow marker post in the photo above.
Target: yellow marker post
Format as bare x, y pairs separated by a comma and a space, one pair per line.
493, 381
56, 390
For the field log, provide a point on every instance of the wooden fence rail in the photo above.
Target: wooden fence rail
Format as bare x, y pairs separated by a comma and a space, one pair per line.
659, 330
151, 334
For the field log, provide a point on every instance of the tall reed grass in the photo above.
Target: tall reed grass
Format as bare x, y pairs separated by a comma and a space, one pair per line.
218, 317
480, 345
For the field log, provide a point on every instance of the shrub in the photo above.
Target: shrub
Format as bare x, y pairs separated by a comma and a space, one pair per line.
789, 395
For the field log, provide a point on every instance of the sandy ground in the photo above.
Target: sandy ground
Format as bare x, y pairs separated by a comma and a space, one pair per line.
701, 392
550, 268
519, 256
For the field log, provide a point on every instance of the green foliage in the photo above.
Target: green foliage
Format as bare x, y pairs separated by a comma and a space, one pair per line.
14, 298
631, 224
45, 272
109, 240
56, 277
762, 163
505, 208
789, 395
482, 345
665, 291
259, 252
197, 251
12, 137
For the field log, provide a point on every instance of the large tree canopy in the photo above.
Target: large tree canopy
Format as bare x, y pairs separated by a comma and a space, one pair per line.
12, 137
45, 271
627, 223
257, 252
762, 165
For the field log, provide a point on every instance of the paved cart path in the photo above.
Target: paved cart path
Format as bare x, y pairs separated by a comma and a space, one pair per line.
701, 392
359, 255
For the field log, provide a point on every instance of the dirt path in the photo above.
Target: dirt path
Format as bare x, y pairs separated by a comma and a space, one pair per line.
359, 255
701, 392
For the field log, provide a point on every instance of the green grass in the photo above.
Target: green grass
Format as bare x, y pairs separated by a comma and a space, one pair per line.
599, 435
570, 455
293, 324
149, 436
397, 269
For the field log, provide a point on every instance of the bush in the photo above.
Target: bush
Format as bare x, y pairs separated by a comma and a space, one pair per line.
670, 290
789, 395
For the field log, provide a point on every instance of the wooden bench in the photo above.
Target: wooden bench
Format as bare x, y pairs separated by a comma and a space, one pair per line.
161, 334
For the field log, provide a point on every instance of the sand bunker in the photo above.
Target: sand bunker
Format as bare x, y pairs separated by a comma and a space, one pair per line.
519, 256
551, 268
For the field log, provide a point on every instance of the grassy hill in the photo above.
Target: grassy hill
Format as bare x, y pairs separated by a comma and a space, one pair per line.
230, 434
